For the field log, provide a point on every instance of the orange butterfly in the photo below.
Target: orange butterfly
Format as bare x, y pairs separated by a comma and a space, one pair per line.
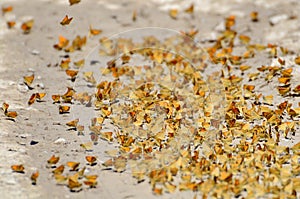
74, 184
64, 109
92, 182
190, 9
66, 20
34, 177
68, 96
53, 160
19, 168
73, 123
26, 26
79, 63
5, 106
64, 64
108, 136
91, 160
28, 80
73, 165
95, 31
56, 99
40, 96
32, 99
7, 9
72, 74
60, 179
62, 43
10, 24
59, 170
254, 16
173, 13
297, 60
72, 2
10, 114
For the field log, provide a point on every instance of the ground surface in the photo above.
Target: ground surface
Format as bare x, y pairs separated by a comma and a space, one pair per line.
22, 54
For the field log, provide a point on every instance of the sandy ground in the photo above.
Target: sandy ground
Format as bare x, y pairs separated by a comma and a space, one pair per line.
21, 54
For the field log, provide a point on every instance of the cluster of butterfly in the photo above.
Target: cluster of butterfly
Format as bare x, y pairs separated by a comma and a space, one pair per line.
72, 180
197, 171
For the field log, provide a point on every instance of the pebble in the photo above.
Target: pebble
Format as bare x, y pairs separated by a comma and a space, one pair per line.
60, 141
10, 181
277, 18
220, 27
35, 52
22, 88
23, 151
41, 85
31, 70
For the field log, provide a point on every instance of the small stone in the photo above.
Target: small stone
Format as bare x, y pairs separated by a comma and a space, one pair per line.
60, 141
22, 88
277, 18
220, 27
10, 181
41, 85
30, 70
35, 52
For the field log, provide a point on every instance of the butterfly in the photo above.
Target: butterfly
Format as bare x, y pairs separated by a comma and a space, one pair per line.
190, 9
62, 43
28, 81
297, 60
7, 9
60, 179
5, 107
89, 77
73, 165
26, 26
254, 16
59, 170
91, 182
64, 109
95, 31
64, 64
81, 172
79, 63
87, 146
32, 99
106, 136
66, 20
10, 24
9, 114
72, 74
36, 96
173, 13
34, 177
73, 183
56, 99
68, 96
134, 15
91, 160
18, 168
53, 160
73, 123
72, 2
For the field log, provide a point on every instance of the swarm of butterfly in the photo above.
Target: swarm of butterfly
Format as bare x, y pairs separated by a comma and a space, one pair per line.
188, 163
